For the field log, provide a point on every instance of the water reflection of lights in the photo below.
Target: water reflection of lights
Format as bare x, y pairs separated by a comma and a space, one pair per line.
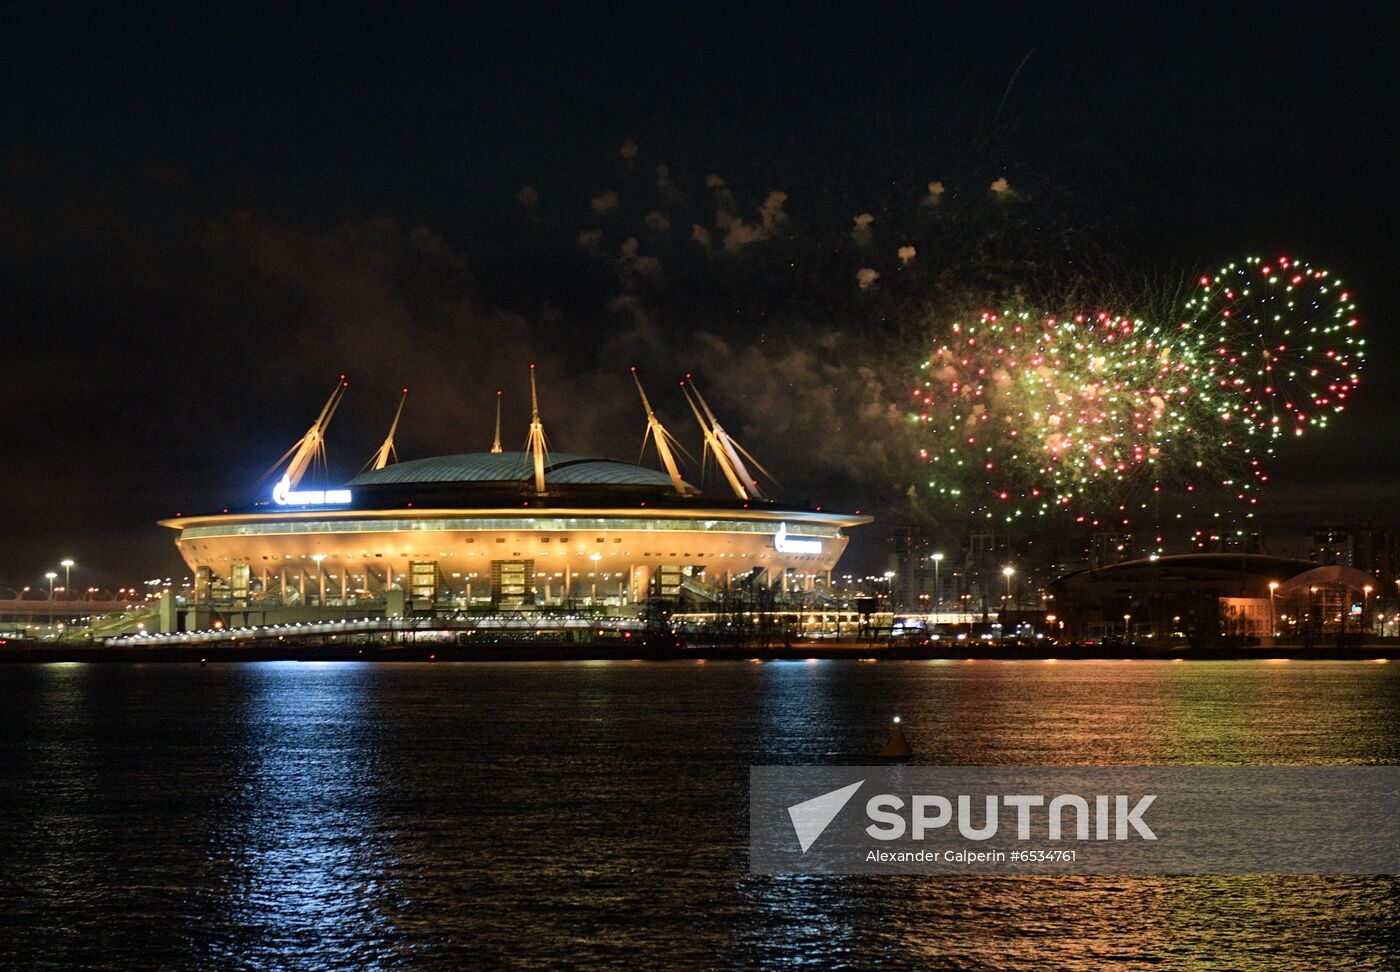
306, 852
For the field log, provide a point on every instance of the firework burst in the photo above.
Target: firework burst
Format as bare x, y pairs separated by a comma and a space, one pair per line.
1028, 413
1284, 345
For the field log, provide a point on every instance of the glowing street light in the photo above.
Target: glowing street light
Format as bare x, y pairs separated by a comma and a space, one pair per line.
1273, 617
67, 565
593, 593
52, 577
937, 587
1007, 572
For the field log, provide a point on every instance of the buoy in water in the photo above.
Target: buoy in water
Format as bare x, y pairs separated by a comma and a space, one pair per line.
896, 747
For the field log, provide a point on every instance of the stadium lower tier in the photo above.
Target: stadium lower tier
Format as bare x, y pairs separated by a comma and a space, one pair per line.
504, 557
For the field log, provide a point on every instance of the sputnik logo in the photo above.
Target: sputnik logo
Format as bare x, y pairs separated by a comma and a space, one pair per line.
810, 818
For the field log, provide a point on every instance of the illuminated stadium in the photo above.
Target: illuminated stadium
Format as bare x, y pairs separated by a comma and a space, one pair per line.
497, 530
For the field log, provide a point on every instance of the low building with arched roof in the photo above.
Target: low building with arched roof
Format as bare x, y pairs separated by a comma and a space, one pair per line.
1204, 598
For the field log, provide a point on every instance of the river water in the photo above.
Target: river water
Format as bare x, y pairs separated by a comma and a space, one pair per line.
337, 815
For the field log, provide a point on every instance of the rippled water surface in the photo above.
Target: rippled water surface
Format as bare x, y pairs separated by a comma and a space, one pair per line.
535, 815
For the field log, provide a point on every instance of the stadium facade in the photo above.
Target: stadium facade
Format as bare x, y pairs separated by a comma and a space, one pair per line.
510, 530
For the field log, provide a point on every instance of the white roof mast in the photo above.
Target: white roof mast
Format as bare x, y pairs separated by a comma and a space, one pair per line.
664, 440
729, 450
713, 447
312, 445
535, 444
496, 445
386, 452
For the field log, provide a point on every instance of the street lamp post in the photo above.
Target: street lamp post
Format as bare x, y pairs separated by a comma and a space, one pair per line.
937, 588
67, 564
52, 576
1006, 627
1273, 616
1365, 603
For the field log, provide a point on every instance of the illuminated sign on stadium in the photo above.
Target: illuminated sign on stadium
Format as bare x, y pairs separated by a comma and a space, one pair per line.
785, 544
284, 495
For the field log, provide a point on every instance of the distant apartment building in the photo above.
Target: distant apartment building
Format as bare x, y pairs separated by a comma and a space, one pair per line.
1366, 546
1112, 548
911, 559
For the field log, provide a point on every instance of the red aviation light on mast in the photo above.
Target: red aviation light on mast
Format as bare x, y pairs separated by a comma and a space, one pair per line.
496, 443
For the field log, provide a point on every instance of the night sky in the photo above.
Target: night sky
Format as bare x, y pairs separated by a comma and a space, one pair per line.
205, 217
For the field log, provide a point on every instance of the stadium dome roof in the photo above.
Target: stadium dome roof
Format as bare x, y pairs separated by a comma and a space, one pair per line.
561, 468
